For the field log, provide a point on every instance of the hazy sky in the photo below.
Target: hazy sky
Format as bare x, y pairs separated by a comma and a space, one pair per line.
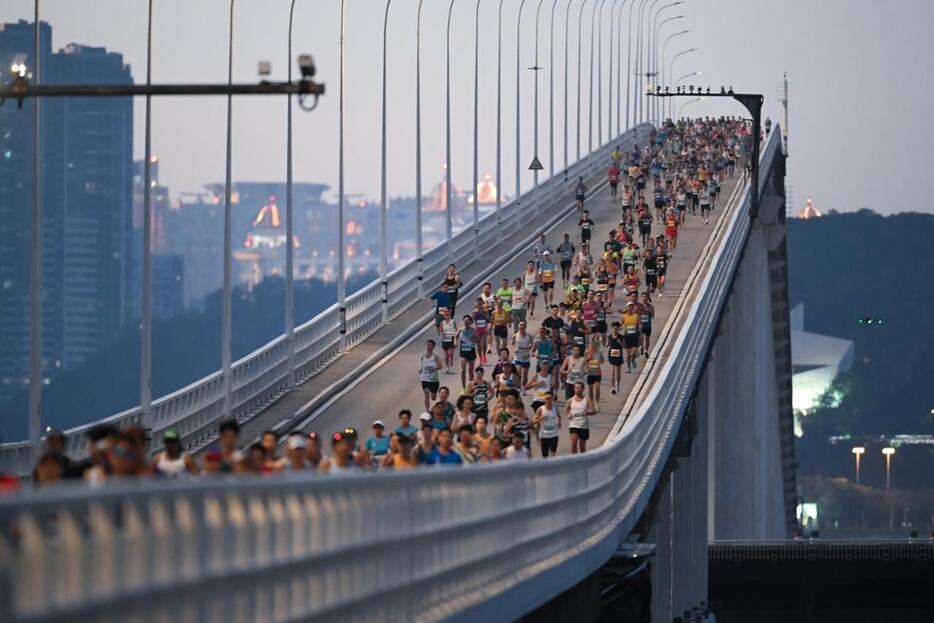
852, 130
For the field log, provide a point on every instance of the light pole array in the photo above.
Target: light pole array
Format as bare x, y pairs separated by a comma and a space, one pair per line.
858, 453
887, 452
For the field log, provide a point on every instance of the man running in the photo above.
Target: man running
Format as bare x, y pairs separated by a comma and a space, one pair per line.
580, 194
615, 356
547, 270
530, 281
646, 315
467, 342
548, 420
566, 253
630, 323
585, 224
429, 365
578, 410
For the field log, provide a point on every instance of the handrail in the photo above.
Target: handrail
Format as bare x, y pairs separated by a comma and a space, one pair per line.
261, 377
488, 542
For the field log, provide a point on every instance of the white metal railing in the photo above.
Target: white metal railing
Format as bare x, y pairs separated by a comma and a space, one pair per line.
483, 543
262, 376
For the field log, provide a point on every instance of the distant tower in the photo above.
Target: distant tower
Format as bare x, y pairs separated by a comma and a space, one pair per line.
809, 211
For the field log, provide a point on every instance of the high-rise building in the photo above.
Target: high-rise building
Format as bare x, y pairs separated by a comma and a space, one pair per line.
87, 147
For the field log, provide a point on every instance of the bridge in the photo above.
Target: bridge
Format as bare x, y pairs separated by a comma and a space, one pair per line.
697, 446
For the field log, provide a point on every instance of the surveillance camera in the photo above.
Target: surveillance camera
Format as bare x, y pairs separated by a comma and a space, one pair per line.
265, 68
307, 66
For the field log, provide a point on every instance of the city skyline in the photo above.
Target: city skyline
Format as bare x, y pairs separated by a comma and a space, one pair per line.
818, 44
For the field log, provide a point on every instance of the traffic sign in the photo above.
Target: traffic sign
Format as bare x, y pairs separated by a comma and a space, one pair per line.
536, 165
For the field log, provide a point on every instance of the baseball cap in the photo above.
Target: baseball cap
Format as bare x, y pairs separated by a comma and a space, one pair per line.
378, 423
425, 417
170, 435
296, 442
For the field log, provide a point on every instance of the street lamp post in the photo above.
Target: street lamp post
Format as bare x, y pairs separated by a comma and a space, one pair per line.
35, 258
593, 17
476, 131
858, 452
653, 44
418, 152
642, 51
661, 72
535, 69
580, 32
600, 72
630, 73
226, 329
518, 198
499, 123
888, 451
449, 208
145, 364
551, 95
341, 281
383, 199
289, 225
567, 21
667, 77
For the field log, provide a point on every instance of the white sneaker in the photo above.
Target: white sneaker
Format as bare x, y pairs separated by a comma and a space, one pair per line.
705, 221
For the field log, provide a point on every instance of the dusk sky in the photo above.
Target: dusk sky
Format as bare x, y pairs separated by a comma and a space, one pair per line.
857, 73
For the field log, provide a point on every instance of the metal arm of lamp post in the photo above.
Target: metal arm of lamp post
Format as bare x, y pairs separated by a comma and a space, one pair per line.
660, 71
671, 65
643, 47
476, 130
448, 207
600, 73
653, 47
675, 87
753, 103
666, 77
383, 199
518, 198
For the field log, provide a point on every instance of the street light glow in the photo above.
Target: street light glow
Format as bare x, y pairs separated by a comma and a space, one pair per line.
860, 450
888, 451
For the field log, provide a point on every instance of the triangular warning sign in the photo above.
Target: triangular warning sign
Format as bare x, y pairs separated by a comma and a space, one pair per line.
536, 165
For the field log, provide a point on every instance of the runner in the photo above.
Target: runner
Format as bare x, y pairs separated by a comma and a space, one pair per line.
646, 315
661, 263
566, 251
645, 225
543, 347
429, 365
594, 359
530, 281
548, 278
481, 324
671, 231
448, 332
500, 325
705, 203
585, 224
548, 420
467, 340
578, 410
650, 267
541, 385
480, 391
520, 298
442, 300
522, 342
574, 370
454, 283
630, 323
615, 356
580, 194
613, 177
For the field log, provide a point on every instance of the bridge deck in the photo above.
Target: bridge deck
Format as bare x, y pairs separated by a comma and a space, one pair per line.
392, 383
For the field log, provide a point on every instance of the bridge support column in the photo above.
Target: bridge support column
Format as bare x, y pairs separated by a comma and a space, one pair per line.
663, 562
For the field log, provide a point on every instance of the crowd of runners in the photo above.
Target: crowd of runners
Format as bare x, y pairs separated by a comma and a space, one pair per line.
533, 353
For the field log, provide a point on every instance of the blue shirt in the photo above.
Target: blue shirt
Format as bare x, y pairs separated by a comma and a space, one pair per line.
442, 300
436, 458
378, 446
408, 431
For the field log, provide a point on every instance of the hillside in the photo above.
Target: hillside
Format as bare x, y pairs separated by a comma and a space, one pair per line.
848, 266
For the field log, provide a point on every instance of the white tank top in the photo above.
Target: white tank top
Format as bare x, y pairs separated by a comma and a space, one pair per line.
448, 330
548, 427
171, 468
579, 417
523, 347
545, 385
429, 371
531, 280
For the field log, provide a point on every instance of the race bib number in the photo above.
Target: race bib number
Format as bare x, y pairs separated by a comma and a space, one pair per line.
631, 330
615, 352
